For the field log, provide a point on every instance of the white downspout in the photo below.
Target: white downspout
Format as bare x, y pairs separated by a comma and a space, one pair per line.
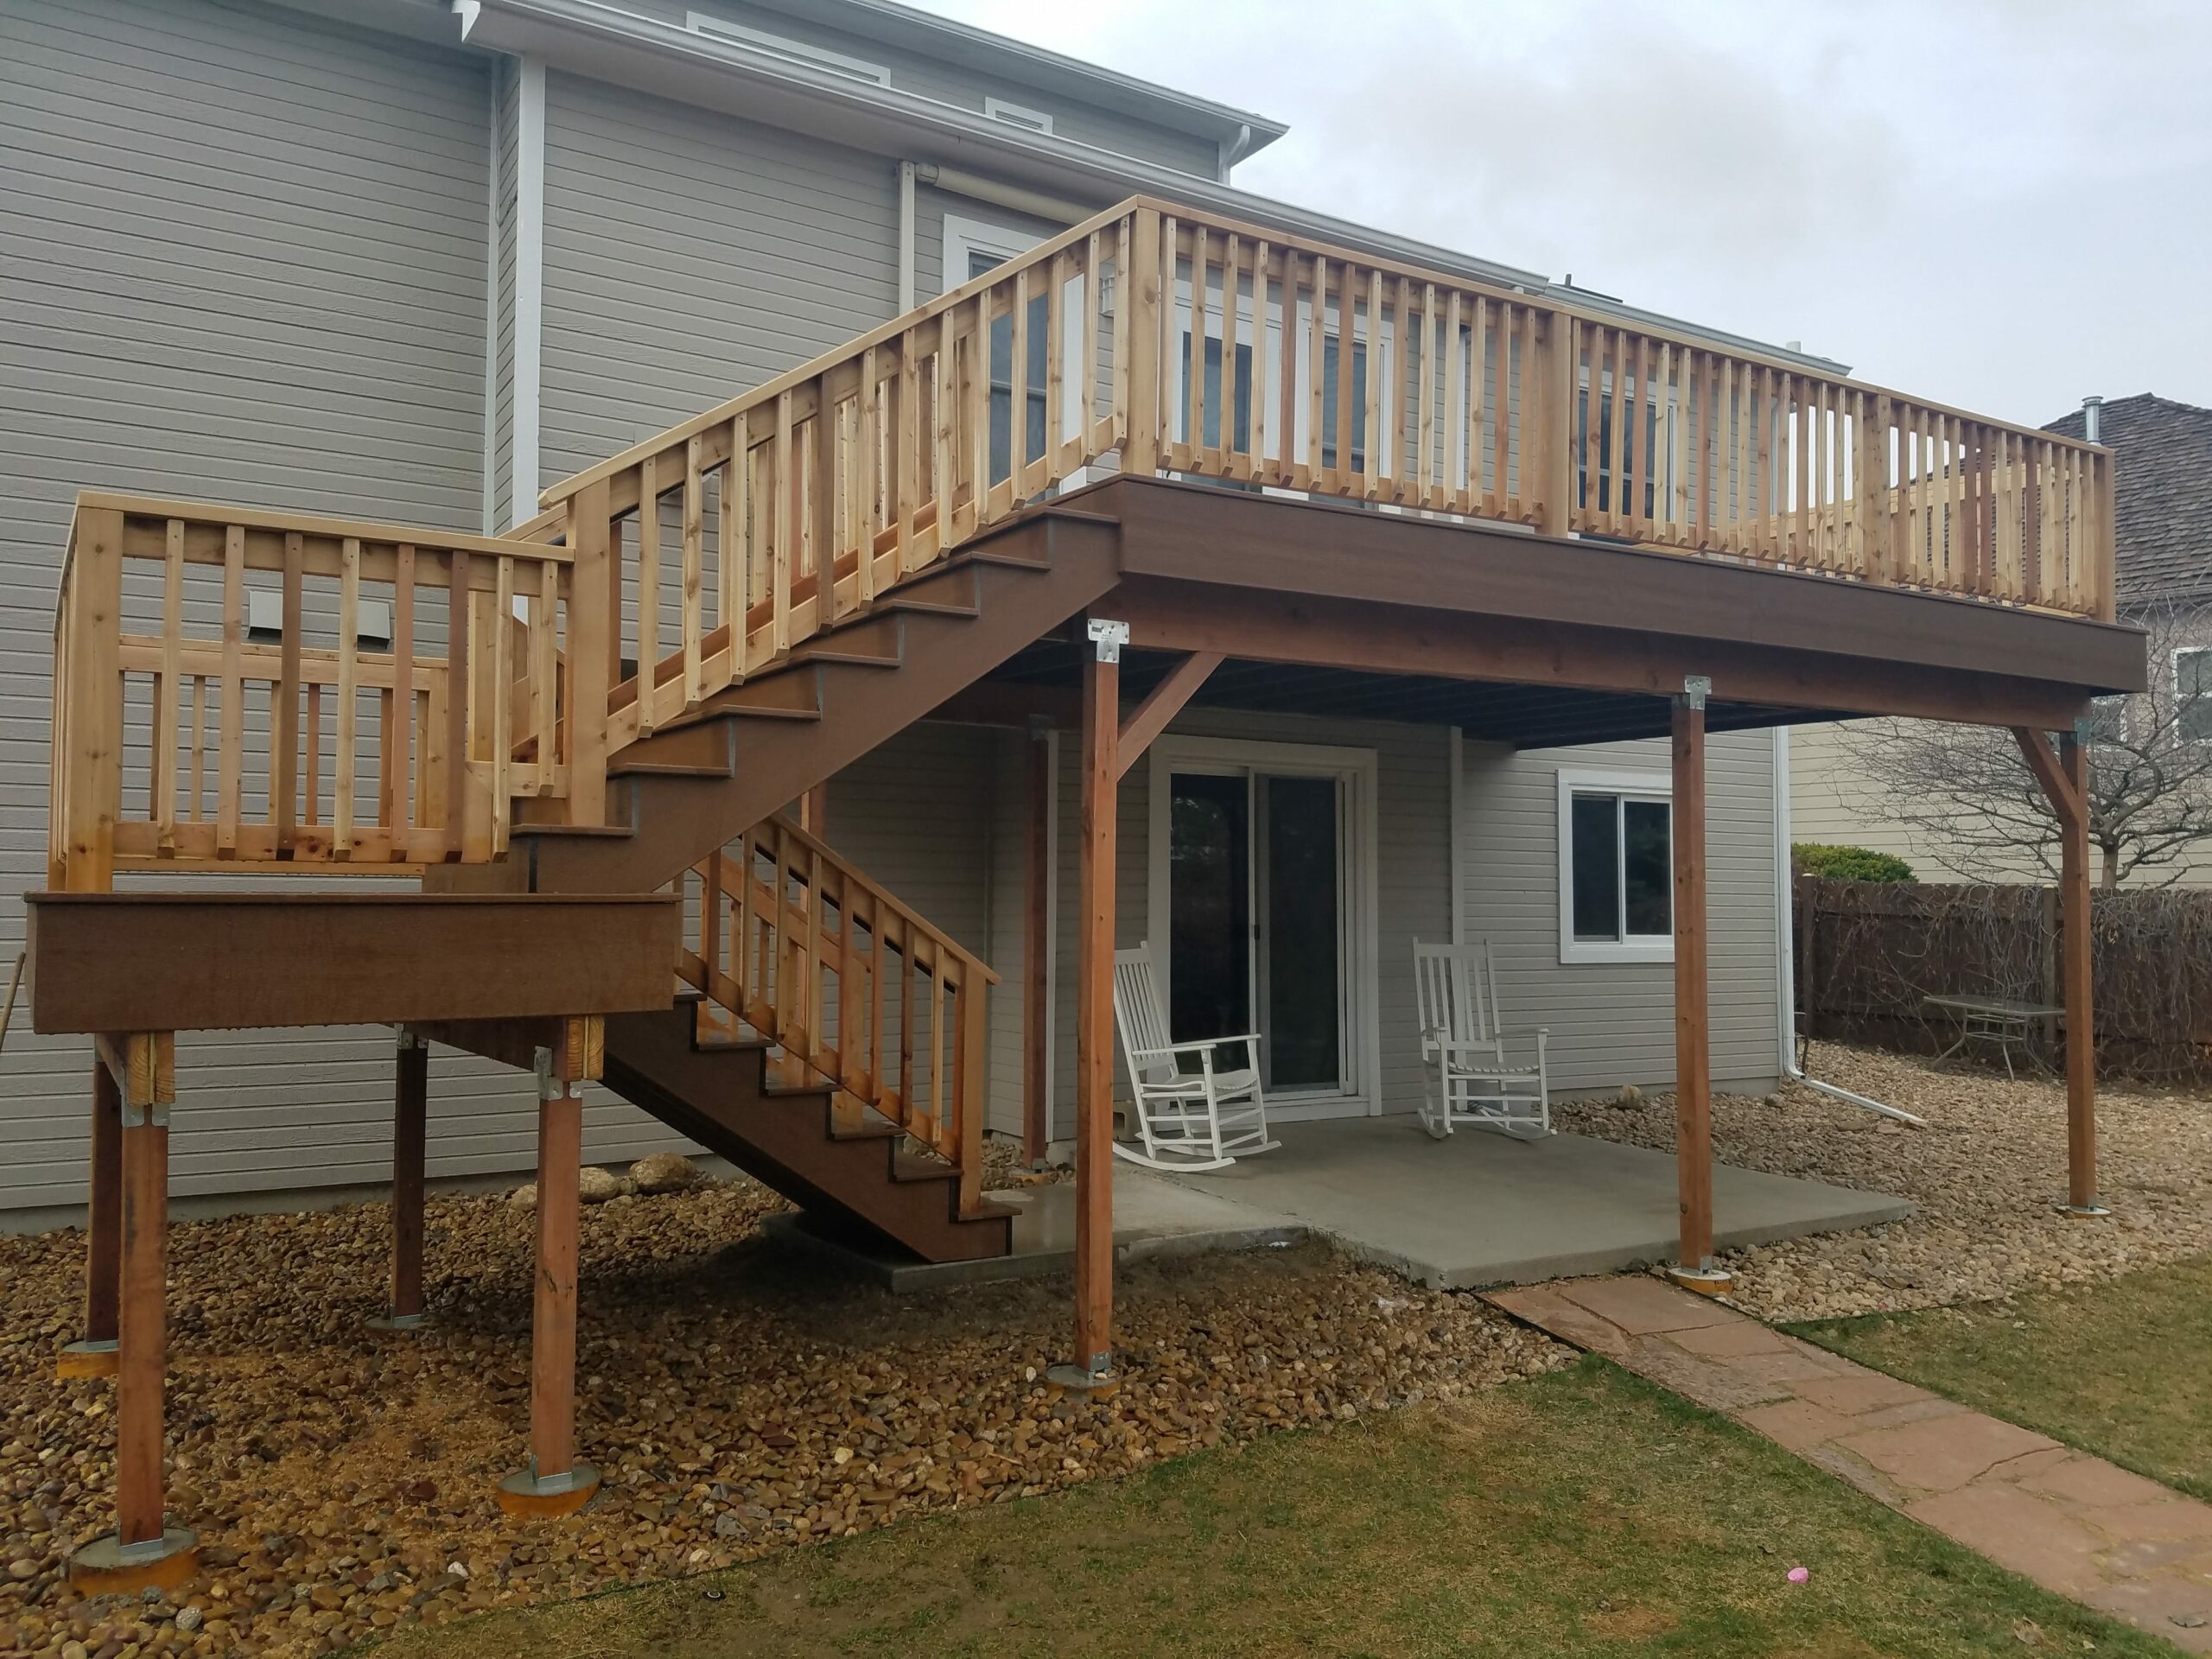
530, 287
906, 237
1785, 959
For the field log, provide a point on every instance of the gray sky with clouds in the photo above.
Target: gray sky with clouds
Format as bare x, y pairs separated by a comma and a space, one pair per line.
2001, 204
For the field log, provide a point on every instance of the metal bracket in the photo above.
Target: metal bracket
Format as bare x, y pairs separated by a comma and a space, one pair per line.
2084, 730
1109, 637
408, 1039
550, 1087
1696, 688
137, 1117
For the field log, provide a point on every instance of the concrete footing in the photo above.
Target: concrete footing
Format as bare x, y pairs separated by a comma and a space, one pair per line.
86, 1357
1705, 1281
1075, 1380
524, 1493
108, 1566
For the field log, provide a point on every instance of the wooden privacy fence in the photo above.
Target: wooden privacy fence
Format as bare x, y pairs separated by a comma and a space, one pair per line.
1149, 337
244, 686
1869, 952
816, 958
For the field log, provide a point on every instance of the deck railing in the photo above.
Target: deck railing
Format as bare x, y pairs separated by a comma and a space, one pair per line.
1152, 337
852, 985
1149, 338
234, 687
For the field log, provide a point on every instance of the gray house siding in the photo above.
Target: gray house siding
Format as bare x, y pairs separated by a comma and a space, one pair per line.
689, 256
961, 86
244, 255
1613, 1023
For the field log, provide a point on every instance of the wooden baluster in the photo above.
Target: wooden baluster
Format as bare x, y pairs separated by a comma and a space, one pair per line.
694, 592
908, 471
810, 987
867, 453
169, 688
1395, 466
1341, 476
311, 773
1047, 465
545, 674
648, 596
399, 707
1617, 444
196, 809
1126, 267
285, 720
1505, 419
970, 1068
906, 1114
731, 585
1316, 378
1372, 458
456, 696
1255, 394
1429, 487
1190, 453
230, 742
822, 504
349, 683
1474, 498
502, 710
784, 528
976, 404
1085, 388
1286, 468
940, 1120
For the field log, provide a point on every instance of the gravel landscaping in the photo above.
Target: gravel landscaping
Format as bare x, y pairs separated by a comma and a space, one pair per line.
739, 1400
1987, 1173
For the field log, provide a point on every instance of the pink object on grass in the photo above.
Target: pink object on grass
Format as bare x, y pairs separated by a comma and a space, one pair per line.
1799, 1574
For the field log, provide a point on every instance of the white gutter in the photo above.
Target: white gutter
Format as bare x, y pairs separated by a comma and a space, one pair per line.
956, 182
1785, 964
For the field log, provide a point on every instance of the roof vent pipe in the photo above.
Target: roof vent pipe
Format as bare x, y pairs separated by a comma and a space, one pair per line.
2090, 405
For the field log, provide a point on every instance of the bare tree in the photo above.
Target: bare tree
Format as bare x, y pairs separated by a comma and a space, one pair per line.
1968, 789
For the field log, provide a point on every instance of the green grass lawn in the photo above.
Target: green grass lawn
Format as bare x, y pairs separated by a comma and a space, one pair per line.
1585, 1512
2122, 1369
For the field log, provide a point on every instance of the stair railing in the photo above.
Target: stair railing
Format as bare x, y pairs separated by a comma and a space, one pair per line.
855, 987
241, 688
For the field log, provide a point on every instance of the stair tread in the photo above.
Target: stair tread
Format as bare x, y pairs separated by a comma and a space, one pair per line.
912, 1167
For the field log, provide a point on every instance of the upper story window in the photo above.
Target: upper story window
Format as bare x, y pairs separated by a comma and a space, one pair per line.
778, 46
1616, 866
2193, 694
1017, 115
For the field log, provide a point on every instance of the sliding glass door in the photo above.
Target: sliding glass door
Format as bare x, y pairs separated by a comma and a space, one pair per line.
1257, 880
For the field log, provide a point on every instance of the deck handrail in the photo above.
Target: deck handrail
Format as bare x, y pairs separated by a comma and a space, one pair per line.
1150, 337
1473, 399
179, 740
854, 986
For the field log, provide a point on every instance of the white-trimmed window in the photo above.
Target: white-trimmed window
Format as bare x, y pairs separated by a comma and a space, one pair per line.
1616, 866
791, 51
2193, 694
974, 248
1017, 115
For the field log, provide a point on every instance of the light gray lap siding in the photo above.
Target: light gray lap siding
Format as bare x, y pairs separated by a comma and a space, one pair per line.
244, 257
689, 256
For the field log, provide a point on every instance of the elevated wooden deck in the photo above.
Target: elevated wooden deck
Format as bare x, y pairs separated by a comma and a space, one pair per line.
1282, 474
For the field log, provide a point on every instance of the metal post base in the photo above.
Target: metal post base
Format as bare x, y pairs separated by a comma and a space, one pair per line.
86, 1357
1705, 1281
525, 1493
108, 1566
1077, 1379
400, 1323
2089, 1212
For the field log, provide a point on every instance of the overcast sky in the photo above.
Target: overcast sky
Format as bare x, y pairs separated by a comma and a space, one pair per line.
2000, 204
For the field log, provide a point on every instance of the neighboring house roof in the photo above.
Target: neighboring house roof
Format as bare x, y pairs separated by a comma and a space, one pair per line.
2162, 451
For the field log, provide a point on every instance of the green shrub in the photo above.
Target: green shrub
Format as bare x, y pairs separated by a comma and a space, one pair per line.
1849, 863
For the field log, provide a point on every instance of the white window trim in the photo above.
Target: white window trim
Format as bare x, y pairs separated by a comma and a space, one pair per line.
1018, 115
782, 46
1361, 905
965, 237
1634, 784
2181, 703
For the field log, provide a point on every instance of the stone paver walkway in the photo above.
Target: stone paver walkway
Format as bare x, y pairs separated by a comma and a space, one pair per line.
2072, 1522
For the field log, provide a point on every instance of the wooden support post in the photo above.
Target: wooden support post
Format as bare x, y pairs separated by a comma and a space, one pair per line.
93, 1353
1036, 946
1141, 283
410, 1111
2064, 777
1692, 1025
553, 1482
143, 1551
1094, 1029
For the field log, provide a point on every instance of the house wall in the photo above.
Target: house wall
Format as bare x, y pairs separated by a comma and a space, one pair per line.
962, 85
244, 257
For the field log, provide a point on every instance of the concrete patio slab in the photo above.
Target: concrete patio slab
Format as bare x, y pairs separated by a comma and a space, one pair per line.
1152, 1216
1479, 1209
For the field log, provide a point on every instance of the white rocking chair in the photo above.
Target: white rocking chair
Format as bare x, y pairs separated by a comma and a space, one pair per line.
1466, 1073
1185, 1121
